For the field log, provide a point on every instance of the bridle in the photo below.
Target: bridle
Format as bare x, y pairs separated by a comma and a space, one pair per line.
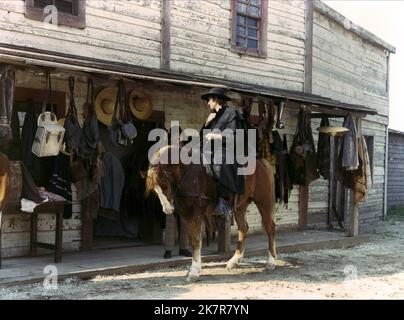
177, 188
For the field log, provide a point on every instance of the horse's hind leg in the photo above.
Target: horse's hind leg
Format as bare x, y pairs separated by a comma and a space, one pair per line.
242, 233
195, 237
266, 210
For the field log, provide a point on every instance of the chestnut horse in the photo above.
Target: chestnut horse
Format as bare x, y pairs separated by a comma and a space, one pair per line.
189, 190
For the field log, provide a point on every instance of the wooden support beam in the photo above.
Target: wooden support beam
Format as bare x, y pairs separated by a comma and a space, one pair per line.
331, 112
308, 85
224, 237
303, 207
58, 247
308, 59
34, 234
353, 213
165, 34
320, 115
332, 183
386, 153
352, 230
86, 234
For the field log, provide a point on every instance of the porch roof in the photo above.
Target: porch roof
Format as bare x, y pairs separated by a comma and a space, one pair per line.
43, 58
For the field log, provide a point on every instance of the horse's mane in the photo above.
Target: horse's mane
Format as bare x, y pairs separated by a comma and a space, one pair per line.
154, 168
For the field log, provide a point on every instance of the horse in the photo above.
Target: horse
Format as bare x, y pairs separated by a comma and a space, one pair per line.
189, 190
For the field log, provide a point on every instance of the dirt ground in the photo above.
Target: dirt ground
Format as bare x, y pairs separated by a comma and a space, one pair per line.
374, 270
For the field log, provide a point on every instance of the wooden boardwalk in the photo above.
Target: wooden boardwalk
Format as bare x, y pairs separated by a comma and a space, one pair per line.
134, 259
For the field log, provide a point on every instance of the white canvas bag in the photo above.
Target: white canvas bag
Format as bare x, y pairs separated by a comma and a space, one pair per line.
49, 135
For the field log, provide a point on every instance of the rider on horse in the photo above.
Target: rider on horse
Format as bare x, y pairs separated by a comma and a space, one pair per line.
222, 117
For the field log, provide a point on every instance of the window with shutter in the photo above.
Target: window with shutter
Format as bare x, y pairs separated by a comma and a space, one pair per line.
249, 27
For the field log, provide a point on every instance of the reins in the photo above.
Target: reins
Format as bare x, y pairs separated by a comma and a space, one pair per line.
177, 188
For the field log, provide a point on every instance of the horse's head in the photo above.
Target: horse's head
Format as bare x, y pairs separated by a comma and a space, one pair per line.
162, 179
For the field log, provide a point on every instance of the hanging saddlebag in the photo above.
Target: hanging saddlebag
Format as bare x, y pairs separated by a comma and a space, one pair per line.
49, 135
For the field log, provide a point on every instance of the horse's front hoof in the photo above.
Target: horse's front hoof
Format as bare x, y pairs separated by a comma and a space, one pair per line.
193, 274
233, 262
230, 266
271, 263
191, 278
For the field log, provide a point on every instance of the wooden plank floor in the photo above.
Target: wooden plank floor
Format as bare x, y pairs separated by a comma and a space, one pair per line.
131, 259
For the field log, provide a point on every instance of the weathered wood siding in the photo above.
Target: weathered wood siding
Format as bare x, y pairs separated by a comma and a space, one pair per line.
16, 227
201, 36
395, 174
345, 67
285, 217
122, 31
349, 69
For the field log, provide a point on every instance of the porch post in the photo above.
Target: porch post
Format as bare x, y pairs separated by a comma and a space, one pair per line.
352, 230
224, 235
303, 206
353, 212
308, 72
165, 34
332, 182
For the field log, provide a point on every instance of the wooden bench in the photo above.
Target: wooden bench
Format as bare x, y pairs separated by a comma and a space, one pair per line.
55, 206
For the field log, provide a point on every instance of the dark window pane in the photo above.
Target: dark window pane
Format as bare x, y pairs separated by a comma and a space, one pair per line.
252, 22
256, 3
252, 44
254, 11
65, 6
241, 8
241, 31
253, 33
42, 3
240, 42
240, 20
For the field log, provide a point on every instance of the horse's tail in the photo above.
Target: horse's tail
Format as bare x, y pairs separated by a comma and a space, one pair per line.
271, 178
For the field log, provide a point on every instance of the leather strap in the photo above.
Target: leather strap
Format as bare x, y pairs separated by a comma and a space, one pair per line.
72, 104
48, 88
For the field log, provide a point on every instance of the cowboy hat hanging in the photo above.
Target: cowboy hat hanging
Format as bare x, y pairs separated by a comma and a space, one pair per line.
216, 92
105, 104
333, 131
140, 103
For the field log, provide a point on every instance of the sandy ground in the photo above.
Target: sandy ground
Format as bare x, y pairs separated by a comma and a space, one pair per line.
374, 270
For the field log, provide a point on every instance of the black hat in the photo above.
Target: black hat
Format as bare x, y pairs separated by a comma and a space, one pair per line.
216, 92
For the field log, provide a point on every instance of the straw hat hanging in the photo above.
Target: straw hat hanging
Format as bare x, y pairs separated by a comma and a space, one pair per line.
333, 131
140, 103
105, 104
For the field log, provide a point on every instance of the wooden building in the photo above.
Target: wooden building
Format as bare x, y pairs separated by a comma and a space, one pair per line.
302, 52
395, 187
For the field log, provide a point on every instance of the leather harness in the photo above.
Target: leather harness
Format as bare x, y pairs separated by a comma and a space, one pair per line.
177, 188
